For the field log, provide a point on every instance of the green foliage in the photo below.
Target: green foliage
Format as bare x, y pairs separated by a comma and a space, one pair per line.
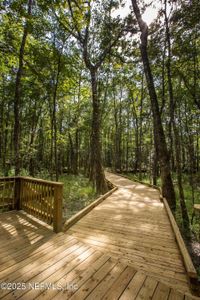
78, 193
195, 225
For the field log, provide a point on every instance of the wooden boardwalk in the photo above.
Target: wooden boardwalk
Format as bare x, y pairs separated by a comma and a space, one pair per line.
123, 249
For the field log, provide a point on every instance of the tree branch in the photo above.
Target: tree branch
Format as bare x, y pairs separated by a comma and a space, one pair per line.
80, 38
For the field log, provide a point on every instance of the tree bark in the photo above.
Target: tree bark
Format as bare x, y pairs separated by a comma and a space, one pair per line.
17, 97
96, 169
160, 142
117, 141
2, 130
54, 115
137, 131
140, 127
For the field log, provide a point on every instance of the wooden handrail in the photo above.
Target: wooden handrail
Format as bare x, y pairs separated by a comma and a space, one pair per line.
7, 178
37, 197
47, 182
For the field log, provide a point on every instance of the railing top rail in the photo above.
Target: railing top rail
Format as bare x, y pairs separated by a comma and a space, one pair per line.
48, 182
8, 178
41, 180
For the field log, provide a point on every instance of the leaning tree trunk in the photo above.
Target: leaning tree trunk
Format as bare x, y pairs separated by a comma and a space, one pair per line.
160, 142
184, 212
17, 97
96, 169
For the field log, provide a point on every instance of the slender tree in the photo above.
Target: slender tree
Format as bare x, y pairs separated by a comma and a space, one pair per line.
184, 211
17, 97
82, 32
159, 137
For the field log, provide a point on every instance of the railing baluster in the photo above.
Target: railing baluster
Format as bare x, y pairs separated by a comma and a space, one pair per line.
57, 220
37, 197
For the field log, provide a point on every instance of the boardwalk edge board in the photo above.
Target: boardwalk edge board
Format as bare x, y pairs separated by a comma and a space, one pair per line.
190, 269
87, 209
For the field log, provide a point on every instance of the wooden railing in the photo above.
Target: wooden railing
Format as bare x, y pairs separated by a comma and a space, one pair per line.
7, 193
39, 198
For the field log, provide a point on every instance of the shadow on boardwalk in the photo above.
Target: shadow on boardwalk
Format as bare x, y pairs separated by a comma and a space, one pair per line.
123, 249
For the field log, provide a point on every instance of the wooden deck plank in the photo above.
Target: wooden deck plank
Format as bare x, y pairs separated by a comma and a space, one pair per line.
147, 290
63, 277
14, 227
123, 242
34, 253
56, 271
17, 217
123, 239
83, 277
26, 241
30, 271
127, 228
92, 282
174, 295
20, 266
30, 265
134, 286
145, 262
124, 233
123, 226
120, 284
146, 256
162, 292
11, 257
135, 223
106, 284
124, 248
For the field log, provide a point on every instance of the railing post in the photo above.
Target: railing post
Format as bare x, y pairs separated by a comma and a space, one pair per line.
57, 212
17, 193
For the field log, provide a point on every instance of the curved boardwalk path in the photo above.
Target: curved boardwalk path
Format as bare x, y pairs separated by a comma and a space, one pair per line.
132, 224
123, 249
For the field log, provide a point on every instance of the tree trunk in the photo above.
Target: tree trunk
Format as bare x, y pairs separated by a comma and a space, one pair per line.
117, 140
155, 166
137, 148
160, 142
173, 127
76, 157
140, 128
72, 154
96, 170
6, 159
2, 117
54, 114
17, 97
127, 139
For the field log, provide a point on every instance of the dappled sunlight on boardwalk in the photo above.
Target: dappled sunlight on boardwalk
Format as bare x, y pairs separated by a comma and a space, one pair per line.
133, 226
123, 249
